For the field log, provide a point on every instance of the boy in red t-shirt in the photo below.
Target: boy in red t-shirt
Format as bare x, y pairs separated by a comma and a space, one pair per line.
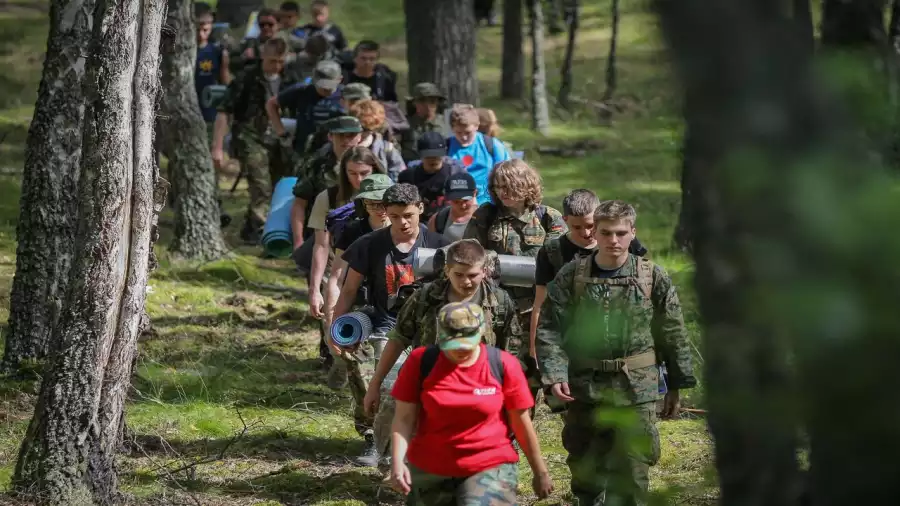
462, 412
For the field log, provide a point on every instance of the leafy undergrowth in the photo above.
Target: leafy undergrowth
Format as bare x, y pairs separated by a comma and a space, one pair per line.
229, 404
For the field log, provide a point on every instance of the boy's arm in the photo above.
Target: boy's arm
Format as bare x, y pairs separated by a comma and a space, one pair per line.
669, 333
552, 358
224, 73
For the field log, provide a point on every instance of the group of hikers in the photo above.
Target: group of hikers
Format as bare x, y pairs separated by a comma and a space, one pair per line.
446, 385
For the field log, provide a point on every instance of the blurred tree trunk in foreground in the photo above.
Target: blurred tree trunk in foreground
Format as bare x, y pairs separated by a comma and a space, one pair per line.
800, 329
48, 204
442, 52
198, 232
540, 112
512, 78
68, 453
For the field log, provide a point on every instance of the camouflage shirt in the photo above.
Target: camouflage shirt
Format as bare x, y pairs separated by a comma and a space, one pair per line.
417, 319
245, 100
418, 126
316, 175
499, 231
612, 319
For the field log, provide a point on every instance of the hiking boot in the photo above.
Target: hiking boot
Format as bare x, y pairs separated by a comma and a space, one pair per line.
369, 456
337, 375
251, 235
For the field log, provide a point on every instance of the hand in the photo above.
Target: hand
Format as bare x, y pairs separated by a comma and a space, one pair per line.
542, 485
372, 398
218, 157
561, 392
400, 478
671, 404
316, 304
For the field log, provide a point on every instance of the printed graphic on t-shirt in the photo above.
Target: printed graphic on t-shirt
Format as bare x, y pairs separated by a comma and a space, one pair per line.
485, 391
468, 160
206, 66
397, 276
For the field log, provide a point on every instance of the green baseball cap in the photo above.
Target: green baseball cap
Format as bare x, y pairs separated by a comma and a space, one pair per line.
343, 125
374, 186
426, 90
356, 91
327, 75
460, 326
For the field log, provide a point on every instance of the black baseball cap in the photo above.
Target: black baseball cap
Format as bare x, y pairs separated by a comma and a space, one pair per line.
431, 144
460, 186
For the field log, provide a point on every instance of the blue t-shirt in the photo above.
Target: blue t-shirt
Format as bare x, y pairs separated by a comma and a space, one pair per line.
478, 162
206, 73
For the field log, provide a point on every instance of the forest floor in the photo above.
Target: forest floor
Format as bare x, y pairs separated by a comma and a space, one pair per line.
229, 404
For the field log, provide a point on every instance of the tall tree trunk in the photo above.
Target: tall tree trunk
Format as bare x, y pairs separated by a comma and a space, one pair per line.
236, 12
48, 203
68, 454
512, 80
540, 113
611, 78
198, 234
853, 24
554, 16
443, 53
803, 22
565, 88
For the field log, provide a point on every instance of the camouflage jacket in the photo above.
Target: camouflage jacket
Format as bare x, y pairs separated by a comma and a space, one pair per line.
316, 175
245, 100
632, 312
524, 235
418, 126
417, 319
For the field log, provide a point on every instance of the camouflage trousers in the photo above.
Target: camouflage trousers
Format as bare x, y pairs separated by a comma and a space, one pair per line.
493, 487
385, 417
264, 166
611, 450
360, 369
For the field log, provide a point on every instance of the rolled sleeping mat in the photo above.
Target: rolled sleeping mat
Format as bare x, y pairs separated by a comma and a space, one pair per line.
277, 238
219, 30
290, 125
509, 270
212, 95
252, 31
351, 329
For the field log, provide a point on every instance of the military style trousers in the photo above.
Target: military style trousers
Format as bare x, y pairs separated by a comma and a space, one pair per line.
360, 369
611, 450
493, 487
385, 416
264, 166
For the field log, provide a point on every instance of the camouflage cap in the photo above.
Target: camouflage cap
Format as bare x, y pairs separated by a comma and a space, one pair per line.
356, 91
343, 125
426, 90
374, 186
461, 325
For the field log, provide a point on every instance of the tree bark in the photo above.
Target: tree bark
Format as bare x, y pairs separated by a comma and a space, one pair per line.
565, 88
48, 202
198, 233
554, 16
512, 80
540, 113
611, 78
443, 53
853, 24
803, 22
67, 456
236, 12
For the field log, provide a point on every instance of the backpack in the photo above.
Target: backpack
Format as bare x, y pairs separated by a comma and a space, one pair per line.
441, 219
396, 120
432, 352
554, 254
643, 280
338, 219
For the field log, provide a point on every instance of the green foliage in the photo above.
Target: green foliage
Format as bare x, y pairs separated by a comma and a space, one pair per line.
229, 375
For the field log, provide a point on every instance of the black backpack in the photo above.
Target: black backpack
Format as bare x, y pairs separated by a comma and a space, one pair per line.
432, 352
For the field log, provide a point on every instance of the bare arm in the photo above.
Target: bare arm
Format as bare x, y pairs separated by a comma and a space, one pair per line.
319, 259
298, 220
224, 73
540, 294
274, 114
520, 421
333, 288
223, 121
390, 354
405, 417
348, 292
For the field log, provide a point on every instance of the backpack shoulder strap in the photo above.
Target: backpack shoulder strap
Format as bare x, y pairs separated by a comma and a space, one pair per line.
429, 358
582, 273
440, 221
489, 144
645, 276
332, 197
554, 253
495, 362
541, 212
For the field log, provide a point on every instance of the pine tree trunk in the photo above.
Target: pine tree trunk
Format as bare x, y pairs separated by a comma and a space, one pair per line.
443, 53
853, 24
198, 234
611, 77
512, 80
565, 88
803, 21
68, 454
48, 203
554, 16
540, 113
236, 12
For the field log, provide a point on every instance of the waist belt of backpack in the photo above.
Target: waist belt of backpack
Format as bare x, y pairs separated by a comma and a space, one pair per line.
646, 359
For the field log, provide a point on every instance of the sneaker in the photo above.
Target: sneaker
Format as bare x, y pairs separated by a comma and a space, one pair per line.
369, 456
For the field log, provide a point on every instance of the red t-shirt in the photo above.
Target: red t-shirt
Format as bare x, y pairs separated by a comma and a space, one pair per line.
461, 429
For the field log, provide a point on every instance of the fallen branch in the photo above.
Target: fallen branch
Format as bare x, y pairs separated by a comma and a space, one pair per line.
693, 411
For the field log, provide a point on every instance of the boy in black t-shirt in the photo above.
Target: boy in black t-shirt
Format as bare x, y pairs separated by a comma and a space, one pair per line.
384, 258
